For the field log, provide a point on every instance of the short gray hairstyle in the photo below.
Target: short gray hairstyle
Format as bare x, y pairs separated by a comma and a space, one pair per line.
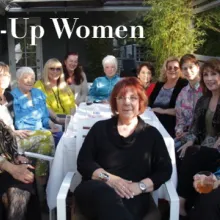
109, 59
24, 69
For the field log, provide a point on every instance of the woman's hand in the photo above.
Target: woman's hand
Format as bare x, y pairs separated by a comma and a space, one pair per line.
60, 121
19, 172
121, 186
22, 133
53, 127
134, 187
159, 110
21, 160
180, 134
217, 144
183, 148
205, 179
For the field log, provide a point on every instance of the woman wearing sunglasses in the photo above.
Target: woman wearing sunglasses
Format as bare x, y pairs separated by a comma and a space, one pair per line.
163, 98
59, 97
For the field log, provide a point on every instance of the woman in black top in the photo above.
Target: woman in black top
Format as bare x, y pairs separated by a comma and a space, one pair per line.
201, 151
163, 98
122, 159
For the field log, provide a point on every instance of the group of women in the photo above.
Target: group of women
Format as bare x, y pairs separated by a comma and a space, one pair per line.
131, 160
186, 101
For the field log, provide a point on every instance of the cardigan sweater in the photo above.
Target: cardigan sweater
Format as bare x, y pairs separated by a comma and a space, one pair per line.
168, 121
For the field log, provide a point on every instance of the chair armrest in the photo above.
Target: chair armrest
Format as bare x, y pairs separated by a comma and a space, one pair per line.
62, 194
172, 197
38, 156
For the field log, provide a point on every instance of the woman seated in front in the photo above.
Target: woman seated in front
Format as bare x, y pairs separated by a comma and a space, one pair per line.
122, 159
59, 97
102, 86
201, 151
31, 115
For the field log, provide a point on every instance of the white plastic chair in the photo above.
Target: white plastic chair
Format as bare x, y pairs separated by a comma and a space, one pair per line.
50, 160
169, 190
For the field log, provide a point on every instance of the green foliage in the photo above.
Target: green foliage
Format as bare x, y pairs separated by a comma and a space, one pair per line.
97, 49
169, 30
210, 19
210, 22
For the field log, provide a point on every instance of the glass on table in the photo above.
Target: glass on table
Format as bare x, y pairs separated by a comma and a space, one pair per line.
204, 182
89, 100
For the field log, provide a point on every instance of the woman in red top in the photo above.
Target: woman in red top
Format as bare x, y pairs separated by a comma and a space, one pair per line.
145, 73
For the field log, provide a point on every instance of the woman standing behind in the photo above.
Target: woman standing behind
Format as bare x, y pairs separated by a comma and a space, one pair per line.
75, 77
102, 86
59, 97
188, 97
145, 73
163, 98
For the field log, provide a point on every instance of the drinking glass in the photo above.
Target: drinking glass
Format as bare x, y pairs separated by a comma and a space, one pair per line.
205, 182
89, 100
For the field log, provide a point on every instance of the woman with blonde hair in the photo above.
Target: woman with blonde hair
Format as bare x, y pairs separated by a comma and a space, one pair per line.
59, 97
163, 98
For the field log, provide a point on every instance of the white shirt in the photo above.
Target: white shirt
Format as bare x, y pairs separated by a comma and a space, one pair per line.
80, 91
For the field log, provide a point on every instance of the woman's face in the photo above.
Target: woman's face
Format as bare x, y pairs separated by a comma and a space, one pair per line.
172, 70
110, 70
128, 104
54, 72
145, 75
71, 62
211, 79
26, 82
190, 70
5, 78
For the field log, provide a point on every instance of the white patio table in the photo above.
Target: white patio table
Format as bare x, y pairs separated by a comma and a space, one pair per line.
65, 156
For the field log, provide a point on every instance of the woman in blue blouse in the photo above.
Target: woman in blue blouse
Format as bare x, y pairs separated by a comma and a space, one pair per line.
102, 86
31, 114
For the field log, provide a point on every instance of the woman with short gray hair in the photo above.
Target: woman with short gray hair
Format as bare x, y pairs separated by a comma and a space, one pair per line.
101, 88
32, 116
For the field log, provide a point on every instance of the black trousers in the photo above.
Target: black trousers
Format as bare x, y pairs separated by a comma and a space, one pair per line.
98, 201
207, 206
196, 160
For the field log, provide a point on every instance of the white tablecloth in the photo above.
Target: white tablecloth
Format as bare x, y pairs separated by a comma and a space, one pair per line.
65, 156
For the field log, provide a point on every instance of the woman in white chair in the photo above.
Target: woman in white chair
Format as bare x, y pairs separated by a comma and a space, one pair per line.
122, 159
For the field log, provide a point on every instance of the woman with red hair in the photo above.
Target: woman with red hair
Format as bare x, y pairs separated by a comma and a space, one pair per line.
122, 159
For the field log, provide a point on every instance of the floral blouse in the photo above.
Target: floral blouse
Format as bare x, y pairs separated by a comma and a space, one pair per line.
185, 105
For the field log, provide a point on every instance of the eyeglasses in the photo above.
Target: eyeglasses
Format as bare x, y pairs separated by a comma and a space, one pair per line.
170, 68
55, 69
123, 98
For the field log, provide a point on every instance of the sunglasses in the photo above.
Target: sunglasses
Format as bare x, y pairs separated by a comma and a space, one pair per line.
170, 68
55, 69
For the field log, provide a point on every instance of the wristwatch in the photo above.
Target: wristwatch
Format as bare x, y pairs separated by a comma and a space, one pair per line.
142, 186
104, 177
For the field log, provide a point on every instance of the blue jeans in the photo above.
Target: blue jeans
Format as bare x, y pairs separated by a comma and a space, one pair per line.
57, 136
